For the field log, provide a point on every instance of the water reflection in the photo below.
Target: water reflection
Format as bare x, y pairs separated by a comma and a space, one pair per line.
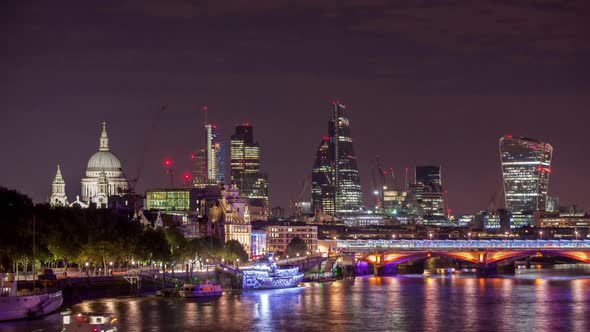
403, 303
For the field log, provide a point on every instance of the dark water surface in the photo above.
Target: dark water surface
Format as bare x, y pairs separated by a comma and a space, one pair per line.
404, 303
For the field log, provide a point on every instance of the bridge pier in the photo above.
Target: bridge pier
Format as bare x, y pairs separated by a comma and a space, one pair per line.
485, 270
386, 270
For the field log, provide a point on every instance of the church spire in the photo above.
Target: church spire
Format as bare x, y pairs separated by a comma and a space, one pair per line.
104, 140
58, 190
58, 176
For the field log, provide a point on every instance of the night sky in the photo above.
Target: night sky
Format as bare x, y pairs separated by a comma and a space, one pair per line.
425, 82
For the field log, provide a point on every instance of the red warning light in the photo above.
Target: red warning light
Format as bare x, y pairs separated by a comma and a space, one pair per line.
214, 126
326, 138
167, 162
508, 136
205, 108
187, 176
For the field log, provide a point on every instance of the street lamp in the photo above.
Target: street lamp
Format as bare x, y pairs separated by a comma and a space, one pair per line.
393, 236
469, 235
541, 235
430, 235
238, 260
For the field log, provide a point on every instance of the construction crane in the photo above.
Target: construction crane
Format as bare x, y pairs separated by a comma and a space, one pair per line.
304, 188
147, 143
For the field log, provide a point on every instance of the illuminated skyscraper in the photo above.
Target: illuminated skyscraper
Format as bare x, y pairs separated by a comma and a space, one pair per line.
322, 190
428, 192
526, 165
348, 194
215, 155
335, 174
245, 167
199, 168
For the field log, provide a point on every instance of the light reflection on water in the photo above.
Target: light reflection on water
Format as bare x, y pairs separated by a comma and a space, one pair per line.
403, 303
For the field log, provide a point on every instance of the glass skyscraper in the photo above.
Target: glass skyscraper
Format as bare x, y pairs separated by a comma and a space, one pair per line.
428, 191
526, 166
342, 176
245, 167
199, 168
322, 190
215, 155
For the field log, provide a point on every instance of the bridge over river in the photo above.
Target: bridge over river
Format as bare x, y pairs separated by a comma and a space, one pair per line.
385, 255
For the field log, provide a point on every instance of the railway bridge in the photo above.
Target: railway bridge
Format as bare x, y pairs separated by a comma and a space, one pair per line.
385, 255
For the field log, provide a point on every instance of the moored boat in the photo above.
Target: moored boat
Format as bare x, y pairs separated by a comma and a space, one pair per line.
206, 290
16, 304
266, 274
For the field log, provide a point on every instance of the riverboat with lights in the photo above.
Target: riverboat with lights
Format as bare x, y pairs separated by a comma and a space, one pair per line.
206, 290
266, 274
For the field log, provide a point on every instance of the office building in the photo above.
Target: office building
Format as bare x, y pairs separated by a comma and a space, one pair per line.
322, 189
246, 174
199, 168
278, 237
526, 166
215, 151
335, 176
428, 193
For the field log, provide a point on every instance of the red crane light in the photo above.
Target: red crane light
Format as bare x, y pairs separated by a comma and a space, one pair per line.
193, 156
167, 162
205, 108
187, 176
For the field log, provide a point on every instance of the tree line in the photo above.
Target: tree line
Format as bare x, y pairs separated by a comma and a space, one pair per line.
45, 236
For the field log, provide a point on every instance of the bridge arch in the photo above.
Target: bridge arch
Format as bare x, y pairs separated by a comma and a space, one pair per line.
473, 256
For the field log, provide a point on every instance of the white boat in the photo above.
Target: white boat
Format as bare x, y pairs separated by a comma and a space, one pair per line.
88, 322
206, 290
16, 304
268, 275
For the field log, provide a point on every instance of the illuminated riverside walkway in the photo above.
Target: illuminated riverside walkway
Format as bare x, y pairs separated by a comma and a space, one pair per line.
385, 255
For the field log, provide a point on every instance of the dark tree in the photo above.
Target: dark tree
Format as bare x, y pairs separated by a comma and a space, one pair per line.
234, 251
297, 246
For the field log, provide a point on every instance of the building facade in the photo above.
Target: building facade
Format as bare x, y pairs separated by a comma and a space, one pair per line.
526, 166
199, 168
335, 176
322, 188
104, 174
349, 196
428, 193
246, 174
215, 151
278, 237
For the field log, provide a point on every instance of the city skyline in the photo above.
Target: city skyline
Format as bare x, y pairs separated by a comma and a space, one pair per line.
416, 98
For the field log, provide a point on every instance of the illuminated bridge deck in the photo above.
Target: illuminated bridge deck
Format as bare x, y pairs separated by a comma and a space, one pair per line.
385, 245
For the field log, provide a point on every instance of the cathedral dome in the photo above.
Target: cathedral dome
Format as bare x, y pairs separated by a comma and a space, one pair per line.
103, 161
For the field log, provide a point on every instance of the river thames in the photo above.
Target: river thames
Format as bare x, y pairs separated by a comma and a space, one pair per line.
526, 302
